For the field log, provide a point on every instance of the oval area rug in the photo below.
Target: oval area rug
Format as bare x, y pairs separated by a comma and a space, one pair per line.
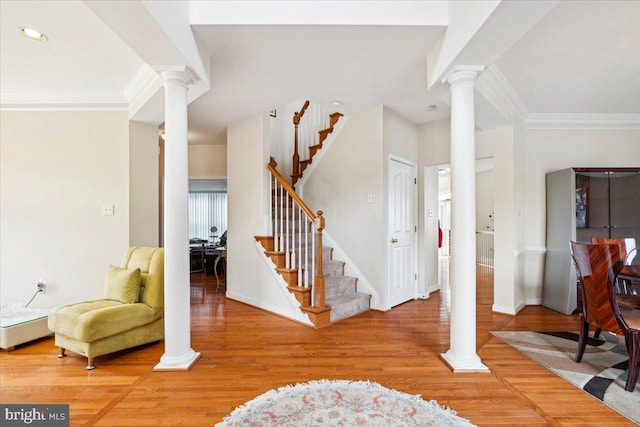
340, 403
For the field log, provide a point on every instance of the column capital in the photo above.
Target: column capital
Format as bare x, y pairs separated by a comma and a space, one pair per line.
180, 74
462, 73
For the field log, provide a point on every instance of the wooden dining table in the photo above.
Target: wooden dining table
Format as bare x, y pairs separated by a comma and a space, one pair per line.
629, 273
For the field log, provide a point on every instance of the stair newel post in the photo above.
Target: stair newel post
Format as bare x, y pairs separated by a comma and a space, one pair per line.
318, 289
296, 156
296, 152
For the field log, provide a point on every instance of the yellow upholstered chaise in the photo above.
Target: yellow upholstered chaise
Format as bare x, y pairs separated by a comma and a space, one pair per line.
130, 314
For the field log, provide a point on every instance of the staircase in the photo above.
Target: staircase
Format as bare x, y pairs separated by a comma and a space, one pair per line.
341, 297
318, 283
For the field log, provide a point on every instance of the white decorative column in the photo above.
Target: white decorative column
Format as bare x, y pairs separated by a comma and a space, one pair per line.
178, 354
461, 356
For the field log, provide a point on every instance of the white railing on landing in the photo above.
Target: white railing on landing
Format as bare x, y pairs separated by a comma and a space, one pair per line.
316, 118
484, 248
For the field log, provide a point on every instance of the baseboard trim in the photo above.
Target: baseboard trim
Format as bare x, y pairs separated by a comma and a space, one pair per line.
511, 311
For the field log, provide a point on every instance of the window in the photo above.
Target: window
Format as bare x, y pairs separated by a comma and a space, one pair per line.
206, 210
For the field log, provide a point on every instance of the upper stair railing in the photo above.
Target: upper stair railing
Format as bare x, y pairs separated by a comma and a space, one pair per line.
309, 135
297, 232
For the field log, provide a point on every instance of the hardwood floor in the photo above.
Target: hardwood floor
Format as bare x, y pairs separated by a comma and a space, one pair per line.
247, 351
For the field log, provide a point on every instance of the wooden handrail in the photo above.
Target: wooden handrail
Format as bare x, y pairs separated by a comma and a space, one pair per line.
289, 189
296, 121
298, 116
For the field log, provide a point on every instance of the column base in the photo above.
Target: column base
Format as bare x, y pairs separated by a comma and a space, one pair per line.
463, 364
182, 363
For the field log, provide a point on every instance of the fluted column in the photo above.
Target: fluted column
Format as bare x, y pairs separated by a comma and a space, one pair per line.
461, 356
178, 354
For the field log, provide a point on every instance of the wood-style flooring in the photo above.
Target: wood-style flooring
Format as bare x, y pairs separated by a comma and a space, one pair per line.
247, 351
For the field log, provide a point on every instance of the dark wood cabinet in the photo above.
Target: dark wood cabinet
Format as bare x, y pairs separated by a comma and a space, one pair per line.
583, 203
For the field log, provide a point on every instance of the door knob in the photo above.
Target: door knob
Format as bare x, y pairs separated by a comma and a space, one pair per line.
394, 240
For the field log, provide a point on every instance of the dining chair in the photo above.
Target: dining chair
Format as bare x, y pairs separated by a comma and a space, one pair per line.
593, 263
628, 320
580, 257
627, 253
626, 245
220, 257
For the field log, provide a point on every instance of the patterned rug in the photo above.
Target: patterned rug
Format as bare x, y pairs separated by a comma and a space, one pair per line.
602, 372
340, 403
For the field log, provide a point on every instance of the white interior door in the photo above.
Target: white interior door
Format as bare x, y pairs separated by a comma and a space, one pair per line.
403, 232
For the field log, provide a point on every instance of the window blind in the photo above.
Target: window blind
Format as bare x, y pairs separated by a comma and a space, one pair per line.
207, 210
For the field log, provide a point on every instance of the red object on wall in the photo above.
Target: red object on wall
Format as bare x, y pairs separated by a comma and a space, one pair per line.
439, 237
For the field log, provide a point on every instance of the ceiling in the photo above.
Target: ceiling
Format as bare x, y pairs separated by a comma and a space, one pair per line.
583, 57
83, 60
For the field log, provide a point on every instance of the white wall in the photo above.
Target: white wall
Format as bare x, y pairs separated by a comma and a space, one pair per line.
207, 161
428, 231
507, 286
57, 170
484, 200
143, 185
249, 278
549, 150
434, 143
350, 170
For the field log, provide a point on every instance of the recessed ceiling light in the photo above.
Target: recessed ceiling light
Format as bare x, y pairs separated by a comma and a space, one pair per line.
430, 108
336, 104
32, 34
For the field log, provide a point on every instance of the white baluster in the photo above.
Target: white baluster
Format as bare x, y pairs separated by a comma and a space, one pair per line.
281, 207
272, 212
310, 130
300, 230
306, 255
287, 261
274, 207
313, 260
317, 119
294, 235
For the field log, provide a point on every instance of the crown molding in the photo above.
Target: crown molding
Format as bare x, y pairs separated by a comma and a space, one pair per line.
64, 101
142, 86
144, 83
583, 121
493, 86
144, 78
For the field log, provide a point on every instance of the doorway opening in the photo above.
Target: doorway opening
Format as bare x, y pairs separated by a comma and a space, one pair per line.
484, 229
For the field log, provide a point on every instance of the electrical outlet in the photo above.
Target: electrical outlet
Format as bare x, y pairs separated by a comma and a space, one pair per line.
41, 286
107, 210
